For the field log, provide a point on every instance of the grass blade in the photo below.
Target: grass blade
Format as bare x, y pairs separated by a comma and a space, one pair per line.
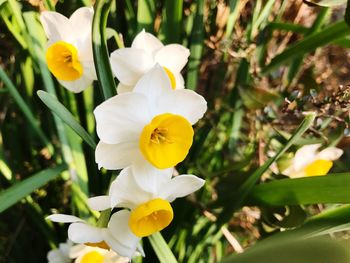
196, 47
308, 44
146, 11
172, 21
55, 106
21, 189
99, 46
332, 188
289, 250
161, 248
25, 109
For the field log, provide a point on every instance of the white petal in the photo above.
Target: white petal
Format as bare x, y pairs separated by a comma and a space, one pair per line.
62, 218
186, 103
78, 85
180, 82
122, 118
125, 192
305, 155
77, 250
181, 186
56, 26
124, 88
119, 236
81, 21
129, 64
84, 233
330, 154
173, 56
146, 42
116, 156
99, 203
149, 178
154, 84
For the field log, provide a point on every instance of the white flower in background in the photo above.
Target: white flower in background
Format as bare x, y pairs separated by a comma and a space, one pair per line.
153, 123
69, 53
80, 232
88, 254
61, 254
147, 192
308, 161
130, 64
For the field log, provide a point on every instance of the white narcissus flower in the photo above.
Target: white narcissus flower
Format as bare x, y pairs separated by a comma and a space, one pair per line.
69, 53
308, 161
130, 64
88, 254
153, 123
147, 192
80, 232
60, 254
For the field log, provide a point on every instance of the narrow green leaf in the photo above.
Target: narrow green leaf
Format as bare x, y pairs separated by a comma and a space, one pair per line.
249, 184
347, 13
171, 24
308, 44
146, 11
295, 28
196, 46
161, 248
332, 188
99, 45
25, 109
234, 13
55, 106
21, 189
289, 250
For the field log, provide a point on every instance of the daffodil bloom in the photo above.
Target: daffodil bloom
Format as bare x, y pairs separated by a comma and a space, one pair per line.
130, 64
88, 254
147, 193
69, 52
60, 254
308, 161
67, 252
121, 241
151, 124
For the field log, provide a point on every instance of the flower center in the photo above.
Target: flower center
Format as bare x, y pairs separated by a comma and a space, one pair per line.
150, 217
92, 257
171, 77
101, 244
166, 140
62, 60
318, 167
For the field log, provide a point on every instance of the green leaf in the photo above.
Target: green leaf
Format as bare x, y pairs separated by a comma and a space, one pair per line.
347, 13
99, 46
332, 188
25, 109
196, 47
308, 44
244, 190
255, 98
146, 11
171, 24
55, 106
289, 250
161, 248
21, 189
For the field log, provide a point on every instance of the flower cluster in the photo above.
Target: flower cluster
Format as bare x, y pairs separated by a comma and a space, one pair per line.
308, 161
67, 252
145, 130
